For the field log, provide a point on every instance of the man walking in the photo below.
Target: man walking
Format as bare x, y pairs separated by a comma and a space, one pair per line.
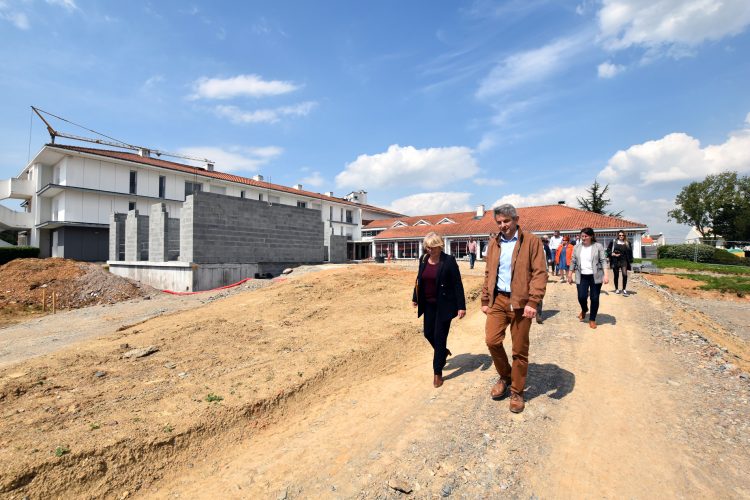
472, 249
554, 242
515, 279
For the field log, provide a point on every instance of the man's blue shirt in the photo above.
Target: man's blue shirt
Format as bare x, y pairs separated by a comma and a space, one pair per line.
506, 258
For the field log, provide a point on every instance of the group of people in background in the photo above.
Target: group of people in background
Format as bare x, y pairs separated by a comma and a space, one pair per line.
517, 268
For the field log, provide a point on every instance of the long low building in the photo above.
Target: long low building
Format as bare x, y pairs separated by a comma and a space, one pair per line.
402, 237
69, 192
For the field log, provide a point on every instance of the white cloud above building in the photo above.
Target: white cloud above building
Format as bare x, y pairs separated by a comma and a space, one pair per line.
235, 158
240, 86
432, 203
407, 166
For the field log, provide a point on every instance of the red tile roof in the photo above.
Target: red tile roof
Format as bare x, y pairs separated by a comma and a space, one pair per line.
158, 162
544, 219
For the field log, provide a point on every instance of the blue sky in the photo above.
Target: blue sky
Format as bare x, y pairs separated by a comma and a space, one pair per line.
429, 106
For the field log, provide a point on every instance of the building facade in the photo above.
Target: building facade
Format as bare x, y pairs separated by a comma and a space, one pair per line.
401, 237
69, 192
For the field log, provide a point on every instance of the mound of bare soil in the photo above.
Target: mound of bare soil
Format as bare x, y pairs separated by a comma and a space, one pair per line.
24, 283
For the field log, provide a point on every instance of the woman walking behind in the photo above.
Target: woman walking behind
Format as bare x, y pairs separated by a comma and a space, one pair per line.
620, 255
439, 295
563, 257
589, 263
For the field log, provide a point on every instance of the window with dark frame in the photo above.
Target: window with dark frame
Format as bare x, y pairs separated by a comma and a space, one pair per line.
133, 182
192, 187
162, 186
301, 204
242, 194
349, 216
131, 206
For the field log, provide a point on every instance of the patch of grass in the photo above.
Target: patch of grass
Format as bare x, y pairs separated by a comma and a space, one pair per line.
213, 398
699, 266
727, 284
168, 428
94, 426
61, 450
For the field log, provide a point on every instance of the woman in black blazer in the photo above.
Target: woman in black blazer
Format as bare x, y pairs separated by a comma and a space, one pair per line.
439, 295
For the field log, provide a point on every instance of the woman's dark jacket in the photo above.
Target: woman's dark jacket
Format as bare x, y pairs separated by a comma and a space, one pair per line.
625, 257
450, 290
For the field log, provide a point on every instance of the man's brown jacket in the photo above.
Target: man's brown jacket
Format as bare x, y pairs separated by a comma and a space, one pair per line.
528, 269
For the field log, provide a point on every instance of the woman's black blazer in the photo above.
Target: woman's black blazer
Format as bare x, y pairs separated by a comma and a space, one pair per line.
450, 290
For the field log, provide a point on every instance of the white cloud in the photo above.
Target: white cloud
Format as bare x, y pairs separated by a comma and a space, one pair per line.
485, 181
408, 166
531, 66
235, 158
678, 157
314, 179
432, 203
240, 86
653, 23
548, 197
237, 115
17, 19
609, 70
66, 4
152, 82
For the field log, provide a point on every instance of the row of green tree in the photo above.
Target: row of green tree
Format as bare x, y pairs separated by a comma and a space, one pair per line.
717, 206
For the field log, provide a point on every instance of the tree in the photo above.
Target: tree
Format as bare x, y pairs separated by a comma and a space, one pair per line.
719, 205
596, 202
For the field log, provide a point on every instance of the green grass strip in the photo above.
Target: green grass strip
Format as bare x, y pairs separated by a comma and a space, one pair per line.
698, 266
729, 284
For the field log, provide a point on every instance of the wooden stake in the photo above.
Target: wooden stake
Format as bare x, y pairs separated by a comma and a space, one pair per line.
44, 300
54, 303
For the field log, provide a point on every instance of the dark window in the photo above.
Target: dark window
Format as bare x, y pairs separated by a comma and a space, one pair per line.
162, 186
301, 204
260, 196
131, 205
133, 181
349, 216
330, 213
192, 187
242, 194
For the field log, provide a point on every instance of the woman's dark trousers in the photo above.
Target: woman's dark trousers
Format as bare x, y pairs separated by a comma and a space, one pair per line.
587, 288
616, 271
436, 333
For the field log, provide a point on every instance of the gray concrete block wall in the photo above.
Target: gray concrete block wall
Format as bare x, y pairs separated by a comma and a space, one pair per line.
136, 236
117, 236
337, 249
218, 229
157, 233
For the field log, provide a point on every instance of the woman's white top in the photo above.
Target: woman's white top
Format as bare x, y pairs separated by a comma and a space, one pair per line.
586, 267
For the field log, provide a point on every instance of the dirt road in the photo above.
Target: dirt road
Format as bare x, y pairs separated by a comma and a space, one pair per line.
333, 399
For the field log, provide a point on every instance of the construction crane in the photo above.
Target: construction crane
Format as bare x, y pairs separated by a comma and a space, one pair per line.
111, 141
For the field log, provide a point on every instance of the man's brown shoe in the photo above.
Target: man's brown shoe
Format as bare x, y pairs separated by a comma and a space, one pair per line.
592, 324
516, 403
437, 381
499, 390
581, 315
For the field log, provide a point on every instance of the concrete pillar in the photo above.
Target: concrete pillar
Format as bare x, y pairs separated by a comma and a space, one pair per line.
187, 247
157, 233
136, 236
117, 236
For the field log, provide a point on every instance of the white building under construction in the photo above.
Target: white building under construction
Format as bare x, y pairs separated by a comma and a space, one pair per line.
69, 192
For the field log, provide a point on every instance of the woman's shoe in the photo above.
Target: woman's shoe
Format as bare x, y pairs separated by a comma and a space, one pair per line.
581, 315
437, 381
448, 352
592, 324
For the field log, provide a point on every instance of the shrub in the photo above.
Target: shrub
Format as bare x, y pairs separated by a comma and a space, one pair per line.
701, 253
9, 253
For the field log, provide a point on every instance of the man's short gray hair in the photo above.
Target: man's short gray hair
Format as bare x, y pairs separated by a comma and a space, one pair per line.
506, 209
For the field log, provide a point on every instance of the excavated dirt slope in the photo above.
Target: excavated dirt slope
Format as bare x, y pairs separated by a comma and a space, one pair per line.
23, 283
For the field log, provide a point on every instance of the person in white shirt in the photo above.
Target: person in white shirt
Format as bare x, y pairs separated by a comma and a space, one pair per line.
589, 263
554, 242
